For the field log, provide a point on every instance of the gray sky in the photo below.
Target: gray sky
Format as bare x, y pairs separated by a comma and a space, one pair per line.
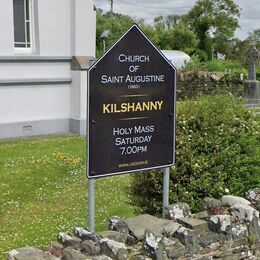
148, 9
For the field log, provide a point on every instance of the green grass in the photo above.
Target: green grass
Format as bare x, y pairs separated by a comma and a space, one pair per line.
221, 66
44, 191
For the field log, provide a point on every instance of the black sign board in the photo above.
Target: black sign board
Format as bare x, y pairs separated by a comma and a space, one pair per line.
131, 108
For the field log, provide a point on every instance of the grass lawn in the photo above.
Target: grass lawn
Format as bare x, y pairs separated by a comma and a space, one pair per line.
44, 191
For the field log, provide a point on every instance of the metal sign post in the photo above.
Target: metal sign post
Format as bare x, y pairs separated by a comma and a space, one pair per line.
91, 205
166, 189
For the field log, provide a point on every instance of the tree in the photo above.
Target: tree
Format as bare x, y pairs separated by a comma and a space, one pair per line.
184, 39
170, 33
255, 37
238, 50
117, 24
162, 36
216, 18
169, 21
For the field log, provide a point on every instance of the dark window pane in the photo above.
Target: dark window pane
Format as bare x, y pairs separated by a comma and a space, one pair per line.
22, 23
19, 26
27, 10
20, 45
28, 31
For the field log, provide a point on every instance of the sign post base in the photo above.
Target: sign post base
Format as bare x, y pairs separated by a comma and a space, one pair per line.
91, 205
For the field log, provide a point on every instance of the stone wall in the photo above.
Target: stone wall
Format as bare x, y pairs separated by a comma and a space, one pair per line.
228, 229
193, 83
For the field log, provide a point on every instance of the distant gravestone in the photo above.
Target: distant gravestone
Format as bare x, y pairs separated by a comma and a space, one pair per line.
253, 55
251, 93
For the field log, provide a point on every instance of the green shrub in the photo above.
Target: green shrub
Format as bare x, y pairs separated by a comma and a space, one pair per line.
194, 63
221, 66
234, 68
202, 55
216, 141
258, 74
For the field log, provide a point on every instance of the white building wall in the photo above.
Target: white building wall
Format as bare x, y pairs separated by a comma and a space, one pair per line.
6, 27
34, 70
39, 94
91, 28
52, 103
54, 17
83, 28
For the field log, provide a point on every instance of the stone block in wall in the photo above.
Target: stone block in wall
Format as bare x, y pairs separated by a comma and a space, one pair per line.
113, 235
257, 206
171, 248
239, 235
220, 223
170, 229
255, 248
204, 257
201, 215
140, 257
67, 240
55, 248
29, 253
241, 248
212, 205
113, 249
212, 249
101, 257
189, 238
178, 210
229, 255
253, 196
90, 247
226, 243
84, 234
254, 227
215, 77
160, 247
200, 226
243, 213
230, 200
117, 224
131, 240
70, 253
137, 225
208, 238
151, 243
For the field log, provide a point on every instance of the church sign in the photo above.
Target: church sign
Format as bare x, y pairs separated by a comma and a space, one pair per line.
131, 108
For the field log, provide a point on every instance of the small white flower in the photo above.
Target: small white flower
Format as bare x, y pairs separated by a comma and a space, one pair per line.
226, 190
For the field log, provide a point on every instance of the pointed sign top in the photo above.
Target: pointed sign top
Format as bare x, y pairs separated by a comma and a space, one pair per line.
136, 32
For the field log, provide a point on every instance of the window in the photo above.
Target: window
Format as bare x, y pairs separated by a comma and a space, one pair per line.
22, 25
